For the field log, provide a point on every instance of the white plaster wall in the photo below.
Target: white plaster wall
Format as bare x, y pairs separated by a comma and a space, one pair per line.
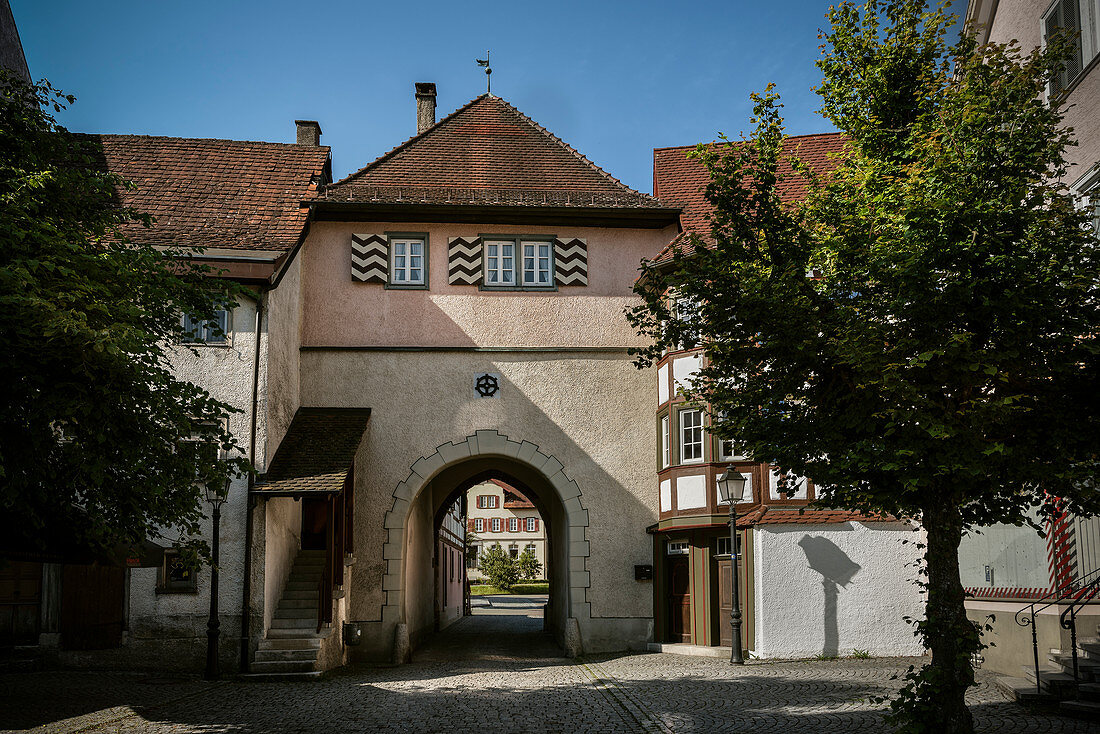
227, 373
871, 571
282, 533
691, 491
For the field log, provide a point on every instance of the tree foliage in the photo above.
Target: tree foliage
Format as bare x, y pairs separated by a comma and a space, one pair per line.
499, 567
528, 565
91, 416
920, 334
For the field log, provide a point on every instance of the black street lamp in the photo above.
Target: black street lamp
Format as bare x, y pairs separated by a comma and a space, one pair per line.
216, 493
731, 490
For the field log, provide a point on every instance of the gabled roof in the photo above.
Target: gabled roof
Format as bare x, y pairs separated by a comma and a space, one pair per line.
680, 181
216, 194
487, 153
316, 453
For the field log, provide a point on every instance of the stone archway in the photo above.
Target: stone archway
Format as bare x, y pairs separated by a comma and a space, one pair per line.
571, 608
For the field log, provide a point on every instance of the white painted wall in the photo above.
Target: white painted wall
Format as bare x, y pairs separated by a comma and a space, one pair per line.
227, 373
832, 589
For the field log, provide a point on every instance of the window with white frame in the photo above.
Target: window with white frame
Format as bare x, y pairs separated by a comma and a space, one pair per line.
407, 261
1081, 20
202, 331
532, 524
513, 525
677, 548
730, 450
479, 525
513, 550
537, 262
500, 263
666, 438
1087, 191
487, 501
496, 524
691, 436
530, 548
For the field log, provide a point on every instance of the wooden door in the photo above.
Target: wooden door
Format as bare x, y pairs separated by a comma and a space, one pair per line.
725, 602
92, 607
20, 601
679, 599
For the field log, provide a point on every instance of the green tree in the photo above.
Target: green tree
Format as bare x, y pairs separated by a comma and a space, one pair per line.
91, 416
500, 568
529, 566
920, 335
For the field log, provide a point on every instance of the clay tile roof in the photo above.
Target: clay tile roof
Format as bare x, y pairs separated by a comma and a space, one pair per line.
316, 453
679, 181
216, 193
487, 153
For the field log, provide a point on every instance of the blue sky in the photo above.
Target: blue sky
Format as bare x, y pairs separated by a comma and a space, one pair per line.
612, 79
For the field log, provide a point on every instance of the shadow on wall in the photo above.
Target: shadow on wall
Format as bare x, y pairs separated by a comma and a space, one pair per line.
837, 570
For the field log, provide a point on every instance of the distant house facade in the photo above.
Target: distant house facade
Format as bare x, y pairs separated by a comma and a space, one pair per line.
500, 515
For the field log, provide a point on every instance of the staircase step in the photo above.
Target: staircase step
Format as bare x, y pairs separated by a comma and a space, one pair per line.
281, 666
1055, 682
292, 633
298, 603
1021, 689
296, 613
282, 677
303, 623
1088, 710
307, 654
1086, 669
310, 596
298, 641
300, 586
1088, 692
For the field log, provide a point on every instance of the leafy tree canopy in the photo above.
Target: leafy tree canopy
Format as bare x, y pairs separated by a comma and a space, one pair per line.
93, 420
920, 334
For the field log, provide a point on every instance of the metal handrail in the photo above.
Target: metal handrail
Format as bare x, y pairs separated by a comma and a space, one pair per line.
1081, 591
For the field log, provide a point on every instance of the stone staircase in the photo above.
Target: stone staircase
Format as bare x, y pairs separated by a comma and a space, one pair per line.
292, 643
1081, 699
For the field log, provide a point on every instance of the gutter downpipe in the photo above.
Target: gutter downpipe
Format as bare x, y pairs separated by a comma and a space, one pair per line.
246, 600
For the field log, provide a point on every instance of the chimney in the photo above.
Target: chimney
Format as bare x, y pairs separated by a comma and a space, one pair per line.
425, 106
309, 132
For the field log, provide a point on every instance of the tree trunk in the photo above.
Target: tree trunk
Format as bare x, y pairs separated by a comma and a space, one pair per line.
948, 633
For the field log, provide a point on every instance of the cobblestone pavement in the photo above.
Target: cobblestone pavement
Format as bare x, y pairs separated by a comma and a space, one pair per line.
499, 673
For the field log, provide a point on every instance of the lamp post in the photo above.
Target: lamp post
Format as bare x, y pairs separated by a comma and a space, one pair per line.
731, 490
216, 494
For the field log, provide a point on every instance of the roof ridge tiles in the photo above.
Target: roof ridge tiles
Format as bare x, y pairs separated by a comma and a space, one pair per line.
692, 146
203, 140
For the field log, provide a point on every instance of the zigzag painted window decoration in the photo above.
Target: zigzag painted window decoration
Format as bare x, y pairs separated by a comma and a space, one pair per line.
464, 261
369, 258
571, 261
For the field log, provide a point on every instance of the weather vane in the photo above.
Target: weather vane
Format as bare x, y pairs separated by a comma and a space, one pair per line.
488, 79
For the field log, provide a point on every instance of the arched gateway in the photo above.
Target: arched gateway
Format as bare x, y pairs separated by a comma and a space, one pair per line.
433, 482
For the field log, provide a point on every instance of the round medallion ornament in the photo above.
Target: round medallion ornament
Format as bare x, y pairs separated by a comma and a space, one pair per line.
487, 385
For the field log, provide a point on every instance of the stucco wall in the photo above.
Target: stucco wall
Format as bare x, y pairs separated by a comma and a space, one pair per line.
282, 533
279, 399
560, 401
1020, 20
419, 574
340, 311
832, 589
1015, 556
173, 619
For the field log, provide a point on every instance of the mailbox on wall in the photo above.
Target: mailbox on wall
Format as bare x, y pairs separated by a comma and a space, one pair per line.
643, 573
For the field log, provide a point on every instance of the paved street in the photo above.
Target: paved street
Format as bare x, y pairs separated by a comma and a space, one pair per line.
497, 672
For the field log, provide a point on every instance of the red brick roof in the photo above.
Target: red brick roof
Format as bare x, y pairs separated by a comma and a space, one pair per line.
680, 181
216, 193
487, 152
768, 515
